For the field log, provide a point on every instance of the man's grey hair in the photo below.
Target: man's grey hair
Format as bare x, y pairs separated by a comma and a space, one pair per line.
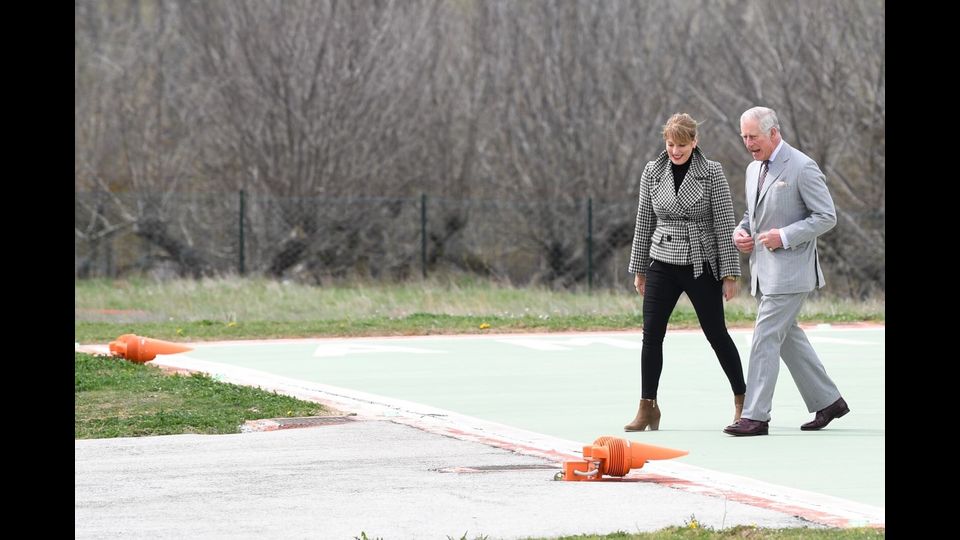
766, 117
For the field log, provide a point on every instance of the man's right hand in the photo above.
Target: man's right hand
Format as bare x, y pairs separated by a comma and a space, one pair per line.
742, 240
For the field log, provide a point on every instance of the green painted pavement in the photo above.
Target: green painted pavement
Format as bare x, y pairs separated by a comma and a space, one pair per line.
582, 386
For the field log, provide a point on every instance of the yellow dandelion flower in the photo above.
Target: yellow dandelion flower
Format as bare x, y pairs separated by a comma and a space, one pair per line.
484, 326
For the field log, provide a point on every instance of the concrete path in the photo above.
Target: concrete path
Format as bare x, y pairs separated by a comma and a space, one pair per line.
377, 477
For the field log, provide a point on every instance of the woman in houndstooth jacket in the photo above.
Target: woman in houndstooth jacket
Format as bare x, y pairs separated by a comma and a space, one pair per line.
682, 243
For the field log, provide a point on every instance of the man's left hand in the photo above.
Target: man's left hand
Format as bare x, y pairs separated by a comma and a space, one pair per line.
770, 239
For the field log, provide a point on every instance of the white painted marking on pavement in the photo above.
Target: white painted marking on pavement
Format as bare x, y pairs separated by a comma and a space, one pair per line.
344, 348
841, 341
748, 338
569, 343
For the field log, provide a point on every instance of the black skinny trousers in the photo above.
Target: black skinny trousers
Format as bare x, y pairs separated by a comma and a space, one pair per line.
664, 284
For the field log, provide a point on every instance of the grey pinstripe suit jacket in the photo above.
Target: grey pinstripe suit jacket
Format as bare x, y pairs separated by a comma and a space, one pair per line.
690, 226
795, 199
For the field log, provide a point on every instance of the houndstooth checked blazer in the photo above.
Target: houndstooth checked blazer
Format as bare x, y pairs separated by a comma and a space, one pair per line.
690, 226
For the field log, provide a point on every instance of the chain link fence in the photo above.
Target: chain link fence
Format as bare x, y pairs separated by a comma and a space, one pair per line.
577, 243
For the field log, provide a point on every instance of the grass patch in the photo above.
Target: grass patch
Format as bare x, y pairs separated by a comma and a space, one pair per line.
117, 398
691, 532
694, 531
234, 308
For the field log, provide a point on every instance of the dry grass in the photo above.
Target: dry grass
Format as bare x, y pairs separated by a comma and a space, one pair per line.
235, 300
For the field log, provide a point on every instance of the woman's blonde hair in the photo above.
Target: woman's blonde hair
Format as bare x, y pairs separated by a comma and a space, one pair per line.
681, 128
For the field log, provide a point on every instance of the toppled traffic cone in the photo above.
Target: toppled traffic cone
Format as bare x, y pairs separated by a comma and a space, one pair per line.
614, 457
142, 349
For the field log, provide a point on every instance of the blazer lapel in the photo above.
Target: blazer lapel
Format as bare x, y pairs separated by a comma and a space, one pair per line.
691, 190
663, 193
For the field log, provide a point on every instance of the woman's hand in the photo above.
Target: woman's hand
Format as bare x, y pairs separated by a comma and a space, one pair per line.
640, 282
730, 289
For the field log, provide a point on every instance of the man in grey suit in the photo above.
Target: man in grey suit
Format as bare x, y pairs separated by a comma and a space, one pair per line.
788, 207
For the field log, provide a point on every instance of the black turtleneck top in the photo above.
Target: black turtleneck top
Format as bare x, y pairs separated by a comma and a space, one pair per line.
679, 171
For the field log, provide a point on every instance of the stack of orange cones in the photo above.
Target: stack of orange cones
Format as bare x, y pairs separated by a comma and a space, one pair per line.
612, 456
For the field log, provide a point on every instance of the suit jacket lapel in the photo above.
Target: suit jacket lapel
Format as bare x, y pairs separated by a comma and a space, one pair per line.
776, 169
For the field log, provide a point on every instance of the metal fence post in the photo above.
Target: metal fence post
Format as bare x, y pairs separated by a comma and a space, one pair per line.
589, 243
241, 263
423, 234
108, 256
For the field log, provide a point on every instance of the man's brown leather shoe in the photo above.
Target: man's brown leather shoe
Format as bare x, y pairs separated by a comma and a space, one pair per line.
746, 426
835, 410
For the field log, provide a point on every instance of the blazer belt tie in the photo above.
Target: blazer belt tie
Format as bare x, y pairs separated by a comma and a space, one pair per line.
696, 249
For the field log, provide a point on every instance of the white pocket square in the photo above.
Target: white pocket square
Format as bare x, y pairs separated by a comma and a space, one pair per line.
780, 184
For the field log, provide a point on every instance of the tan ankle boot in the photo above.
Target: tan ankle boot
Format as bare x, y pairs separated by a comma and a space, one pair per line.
737, 406
648, 415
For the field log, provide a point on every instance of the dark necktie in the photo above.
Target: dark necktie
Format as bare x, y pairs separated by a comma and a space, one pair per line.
763, 176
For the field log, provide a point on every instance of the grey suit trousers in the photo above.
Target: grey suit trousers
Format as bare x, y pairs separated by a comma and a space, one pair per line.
777, 335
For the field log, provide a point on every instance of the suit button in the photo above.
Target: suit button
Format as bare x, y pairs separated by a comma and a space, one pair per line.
669, 238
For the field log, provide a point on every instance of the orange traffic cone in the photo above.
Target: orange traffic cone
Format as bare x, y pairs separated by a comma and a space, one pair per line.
614, 457
141, 349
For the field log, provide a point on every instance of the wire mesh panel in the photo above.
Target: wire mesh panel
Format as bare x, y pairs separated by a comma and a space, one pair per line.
96, 223
613, 226
316, 238
165, 234
853, 253
566, 244
541, 243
